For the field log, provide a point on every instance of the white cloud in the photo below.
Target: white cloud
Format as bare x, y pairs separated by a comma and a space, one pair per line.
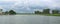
41, 10
26, 3
1, 7
49, 3
28, 8
8, 0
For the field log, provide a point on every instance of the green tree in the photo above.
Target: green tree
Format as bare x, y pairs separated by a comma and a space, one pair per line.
11, 12
37, 12
46, 11
55, 11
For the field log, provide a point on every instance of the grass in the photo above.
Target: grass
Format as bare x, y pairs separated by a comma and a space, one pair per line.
53, 14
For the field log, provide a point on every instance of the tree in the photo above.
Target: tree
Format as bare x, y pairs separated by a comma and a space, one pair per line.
55, 11
6, 12
46, 11
11, 12
37, 12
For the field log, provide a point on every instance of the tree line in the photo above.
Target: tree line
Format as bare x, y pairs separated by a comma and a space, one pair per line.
47, 11
11, 12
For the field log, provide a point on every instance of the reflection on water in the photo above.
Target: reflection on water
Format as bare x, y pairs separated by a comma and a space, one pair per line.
29, 19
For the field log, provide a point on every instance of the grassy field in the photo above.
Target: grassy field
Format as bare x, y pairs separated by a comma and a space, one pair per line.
51, 14
39, 14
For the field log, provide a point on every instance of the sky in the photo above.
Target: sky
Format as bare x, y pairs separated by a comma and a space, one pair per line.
28, 6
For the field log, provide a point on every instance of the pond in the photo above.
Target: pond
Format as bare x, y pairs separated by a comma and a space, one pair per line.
29, 19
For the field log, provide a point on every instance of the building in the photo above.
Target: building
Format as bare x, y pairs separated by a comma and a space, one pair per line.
0, 11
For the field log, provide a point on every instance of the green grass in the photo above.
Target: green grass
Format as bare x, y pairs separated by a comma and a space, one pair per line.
39, 14
53, 14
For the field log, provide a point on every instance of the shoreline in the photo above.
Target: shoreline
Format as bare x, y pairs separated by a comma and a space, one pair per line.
33, 15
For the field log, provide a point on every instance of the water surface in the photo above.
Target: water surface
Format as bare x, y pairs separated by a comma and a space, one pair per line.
29, 19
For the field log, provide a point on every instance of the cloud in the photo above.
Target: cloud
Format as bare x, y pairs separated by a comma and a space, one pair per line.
8, 0
1, 7
29, 5
41, 10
